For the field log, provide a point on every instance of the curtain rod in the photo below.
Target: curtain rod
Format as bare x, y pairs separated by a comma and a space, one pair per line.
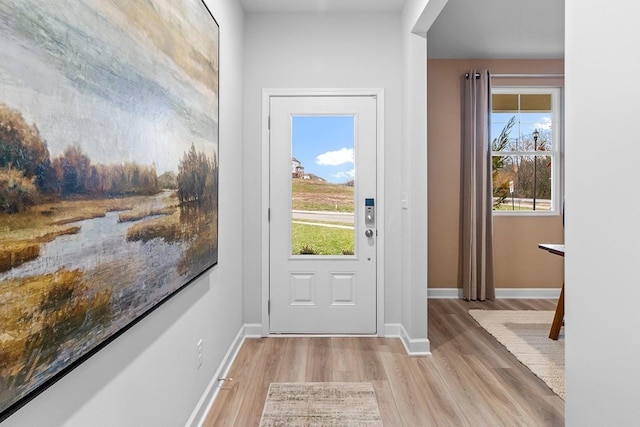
522, 76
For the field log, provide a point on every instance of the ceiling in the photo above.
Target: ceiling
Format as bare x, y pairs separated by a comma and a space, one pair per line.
283, 6
465, 28
498, 29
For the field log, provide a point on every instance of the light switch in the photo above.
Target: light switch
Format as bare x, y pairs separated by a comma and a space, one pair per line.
404, 201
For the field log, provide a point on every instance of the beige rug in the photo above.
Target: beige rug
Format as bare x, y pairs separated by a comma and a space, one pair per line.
525, 334
321, 404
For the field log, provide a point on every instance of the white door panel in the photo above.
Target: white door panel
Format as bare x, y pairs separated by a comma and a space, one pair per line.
334, 293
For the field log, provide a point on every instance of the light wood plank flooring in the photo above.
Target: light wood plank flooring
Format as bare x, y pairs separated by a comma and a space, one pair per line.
470, 379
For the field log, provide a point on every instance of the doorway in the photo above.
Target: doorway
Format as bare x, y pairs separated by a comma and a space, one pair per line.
323, 214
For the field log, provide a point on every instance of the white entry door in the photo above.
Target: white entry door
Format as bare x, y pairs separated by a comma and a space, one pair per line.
323, 215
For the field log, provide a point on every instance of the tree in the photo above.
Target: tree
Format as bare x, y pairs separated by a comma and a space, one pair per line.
500, 184
538, 167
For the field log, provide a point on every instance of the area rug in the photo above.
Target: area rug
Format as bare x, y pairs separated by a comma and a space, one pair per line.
321, 404
525, 333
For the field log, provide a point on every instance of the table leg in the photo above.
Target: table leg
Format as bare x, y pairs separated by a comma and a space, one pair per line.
558, 318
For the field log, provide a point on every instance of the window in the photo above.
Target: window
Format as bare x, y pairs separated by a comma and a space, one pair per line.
526, 140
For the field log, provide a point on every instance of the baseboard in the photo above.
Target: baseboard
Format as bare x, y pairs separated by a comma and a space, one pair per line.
208, 397
501, 293
528, 293
444, 293
413, 347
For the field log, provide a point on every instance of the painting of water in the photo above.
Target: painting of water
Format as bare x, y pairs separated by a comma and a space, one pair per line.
108, 174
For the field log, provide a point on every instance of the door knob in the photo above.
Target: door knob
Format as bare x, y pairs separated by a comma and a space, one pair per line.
368, 232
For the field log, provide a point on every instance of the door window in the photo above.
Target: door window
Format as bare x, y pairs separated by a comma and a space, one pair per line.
322, 185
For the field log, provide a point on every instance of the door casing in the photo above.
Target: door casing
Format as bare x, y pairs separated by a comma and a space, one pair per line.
265, 202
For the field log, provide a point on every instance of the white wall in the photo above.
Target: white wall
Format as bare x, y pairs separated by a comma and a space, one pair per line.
414, 181
148, 376
602, 235
344, 51
321, 50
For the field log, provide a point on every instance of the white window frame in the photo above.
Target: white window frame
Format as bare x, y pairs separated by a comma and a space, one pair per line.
556, 153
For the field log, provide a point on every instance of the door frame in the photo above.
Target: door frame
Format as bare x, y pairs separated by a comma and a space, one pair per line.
378, 94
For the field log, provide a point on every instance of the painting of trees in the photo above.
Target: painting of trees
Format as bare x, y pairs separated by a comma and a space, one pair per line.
197, 178
75, 167
22, 154
108, 175
28, 173
21, 147
16, 190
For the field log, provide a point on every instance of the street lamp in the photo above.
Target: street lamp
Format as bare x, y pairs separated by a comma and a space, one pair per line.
535, 134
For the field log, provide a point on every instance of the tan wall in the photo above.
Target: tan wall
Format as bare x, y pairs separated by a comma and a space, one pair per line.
518, 261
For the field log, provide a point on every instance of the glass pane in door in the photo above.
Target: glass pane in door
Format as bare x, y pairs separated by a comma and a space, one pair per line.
322, 185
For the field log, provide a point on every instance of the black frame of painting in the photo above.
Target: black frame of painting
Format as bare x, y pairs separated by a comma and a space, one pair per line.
184, 203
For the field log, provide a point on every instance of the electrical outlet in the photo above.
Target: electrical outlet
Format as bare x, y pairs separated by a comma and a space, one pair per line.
199, 350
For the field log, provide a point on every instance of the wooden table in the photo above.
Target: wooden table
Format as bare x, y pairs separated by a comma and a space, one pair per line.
558, 318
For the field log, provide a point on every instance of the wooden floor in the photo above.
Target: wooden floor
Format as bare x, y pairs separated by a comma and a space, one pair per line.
469, 380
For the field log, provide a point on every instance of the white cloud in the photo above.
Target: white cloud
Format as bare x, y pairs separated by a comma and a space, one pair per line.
336, 158
345, 175
545, 125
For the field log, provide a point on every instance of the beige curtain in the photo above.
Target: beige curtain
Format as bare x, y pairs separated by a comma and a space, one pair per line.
476, 205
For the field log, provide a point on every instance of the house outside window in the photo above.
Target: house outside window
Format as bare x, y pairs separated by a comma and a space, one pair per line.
526, 135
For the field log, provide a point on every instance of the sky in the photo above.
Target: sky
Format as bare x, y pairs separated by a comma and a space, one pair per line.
325, 146
525, 125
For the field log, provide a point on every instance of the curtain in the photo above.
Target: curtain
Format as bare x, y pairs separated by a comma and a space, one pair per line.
476, 205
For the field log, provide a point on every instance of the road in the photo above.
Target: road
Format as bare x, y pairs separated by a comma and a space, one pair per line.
526, 204
321, 216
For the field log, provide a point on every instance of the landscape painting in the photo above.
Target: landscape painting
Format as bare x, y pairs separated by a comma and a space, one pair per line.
108, 174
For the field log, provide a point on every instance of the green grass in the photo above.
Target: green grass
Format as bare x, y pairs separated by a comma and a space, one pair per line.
322, 196
313, 221
508, 207
322, 240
